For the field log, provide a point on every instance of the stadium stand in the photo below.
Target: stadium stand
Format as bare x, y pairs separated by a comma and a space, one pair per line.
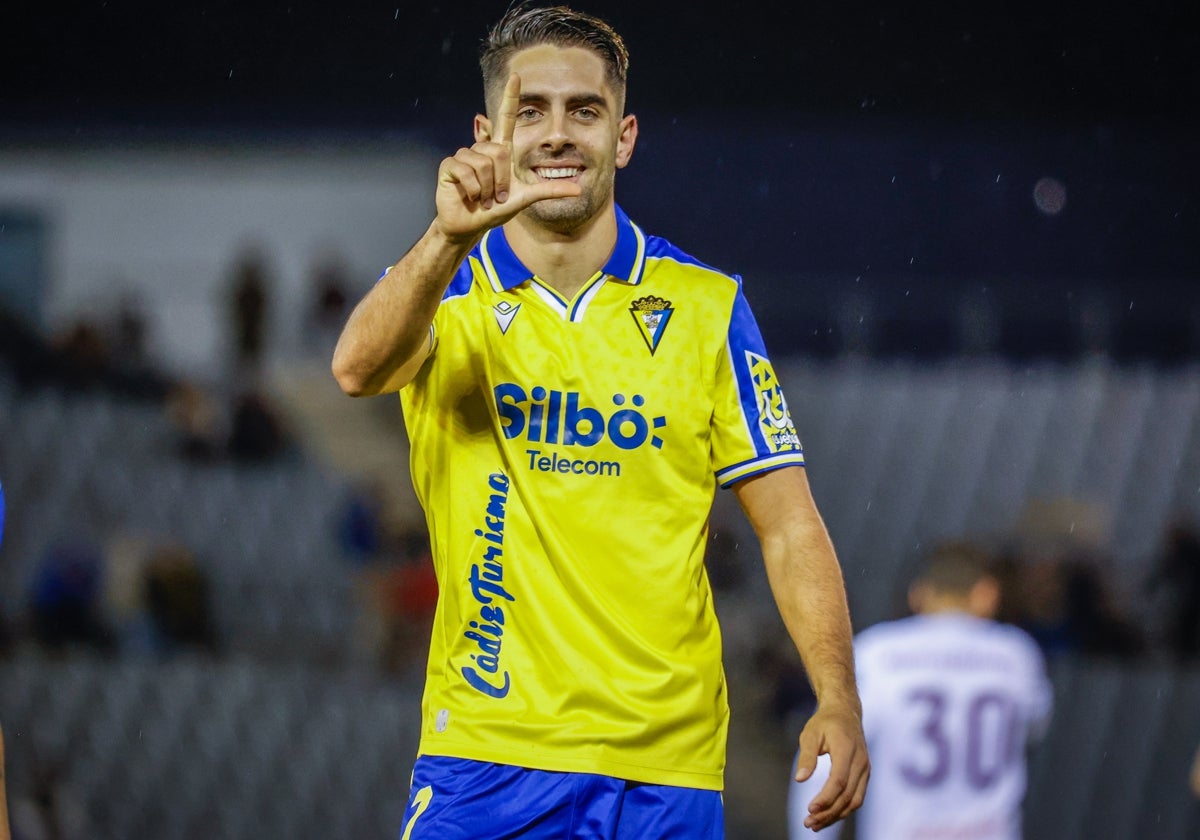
282, 732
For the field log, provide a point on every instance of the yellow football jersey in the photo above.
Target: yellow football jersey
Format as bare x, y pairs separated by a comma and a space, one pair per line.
566, 453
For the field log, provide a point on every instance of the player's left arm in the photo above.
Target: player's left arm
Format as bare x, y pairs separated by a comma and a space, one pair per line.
807, 583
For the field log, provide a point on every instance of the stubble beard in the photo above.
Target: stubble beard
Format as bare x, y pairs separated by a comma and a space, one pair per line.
565, 215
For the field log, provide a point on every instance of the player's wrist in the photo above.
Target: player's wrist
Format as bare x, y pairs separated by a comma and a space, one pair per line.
452, 239
840, 702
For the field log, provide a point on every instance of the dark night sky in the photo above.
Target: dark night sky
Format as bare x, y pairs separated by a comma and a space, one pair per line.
1066, 62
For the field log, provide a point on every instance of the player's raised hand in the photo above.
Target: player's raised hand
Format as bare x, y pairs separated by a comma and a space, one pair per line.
476, 187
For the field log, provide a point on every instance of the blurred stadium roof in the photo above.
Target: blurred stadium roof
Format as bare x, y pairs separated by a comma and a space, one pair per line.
811, 144
380, 61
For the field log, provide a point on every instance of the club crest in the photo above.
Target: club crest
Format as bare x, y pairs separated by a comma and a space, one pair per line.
651, 314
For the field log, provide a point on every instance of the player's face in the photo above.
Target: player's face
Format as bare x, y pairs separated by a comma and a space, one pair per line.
569, 126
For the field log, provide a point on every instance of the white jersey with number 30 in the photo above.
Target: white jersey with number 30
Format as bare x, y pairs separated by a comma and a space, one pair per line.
949, 703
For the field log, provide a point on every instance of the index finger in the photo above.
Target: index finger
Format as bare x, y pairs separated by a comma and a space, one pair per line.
510, 103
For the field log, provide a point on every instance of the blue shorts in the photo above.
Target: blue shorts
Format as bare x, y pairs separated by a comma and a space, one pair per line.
456, 799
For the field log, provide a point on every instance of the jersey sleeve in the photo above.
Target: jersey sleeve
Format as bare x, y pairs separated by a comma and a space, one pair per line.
752, 428
459, 287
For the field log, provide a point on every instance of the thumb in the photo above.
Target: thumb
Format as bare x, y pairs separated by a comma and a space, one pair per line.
806, 761
543, 190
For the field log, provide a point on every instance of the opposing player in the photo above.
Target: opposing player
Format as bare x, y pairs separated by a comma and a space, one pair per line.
575, 390
950, 700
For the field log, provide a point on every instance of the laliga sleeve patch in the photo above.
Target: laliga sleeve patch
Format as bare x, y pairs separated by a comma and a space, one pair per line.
774, 420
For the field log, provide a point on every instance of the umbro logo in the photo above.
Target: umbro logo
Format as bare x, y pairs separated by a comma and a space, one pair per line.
505, 312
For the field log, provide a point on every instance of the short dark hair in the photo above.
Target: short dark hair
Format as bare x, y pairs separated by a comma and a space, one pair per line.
525, 25
955, 566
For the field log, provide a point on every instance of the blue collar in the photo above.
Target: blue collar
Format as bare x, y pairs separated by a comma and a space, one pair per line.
505, 271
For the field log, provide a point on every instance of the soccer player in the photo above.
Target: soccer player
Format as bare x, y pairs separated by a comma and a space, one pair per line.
950, 700
574, 390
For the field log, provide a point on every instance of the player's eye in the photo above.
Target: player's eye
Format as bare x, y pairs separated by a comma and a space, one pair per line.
528, 113
587, 114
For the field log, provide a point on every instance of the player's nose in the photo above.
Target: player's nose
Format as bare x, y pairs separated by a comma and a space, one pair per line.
557, 131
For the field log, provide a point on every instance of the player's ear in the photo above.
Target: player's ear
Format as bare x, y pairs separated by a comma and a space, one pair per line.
917, 597
984, 600
483, 128
626, 139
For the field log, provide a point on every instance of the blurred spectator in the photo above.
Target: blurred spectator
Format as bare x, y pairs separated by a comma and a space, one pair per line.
1177, 577
133, 371
129, 343
249, 307
1055, 582
87, 353
409, 593
251, 431
66, 603
50, 809
257, 431
124, 593
1033, 598
82, 355
330, 303
400, 592
177, 600
1062, 598
1095, 624
361, 523
193, 413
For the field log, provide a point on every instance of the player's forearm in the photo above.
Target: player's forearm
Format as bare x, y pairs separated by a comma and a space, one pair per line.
805, 578
382, 344
807, 583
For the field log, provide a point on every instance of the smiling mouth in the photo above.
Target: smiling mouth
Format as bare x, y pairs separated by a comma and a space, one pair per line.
551, 173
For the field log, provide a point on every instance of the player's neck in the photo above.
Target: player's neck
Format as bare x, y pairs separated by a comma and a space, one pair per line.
946, 610
565, 261
942, 604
